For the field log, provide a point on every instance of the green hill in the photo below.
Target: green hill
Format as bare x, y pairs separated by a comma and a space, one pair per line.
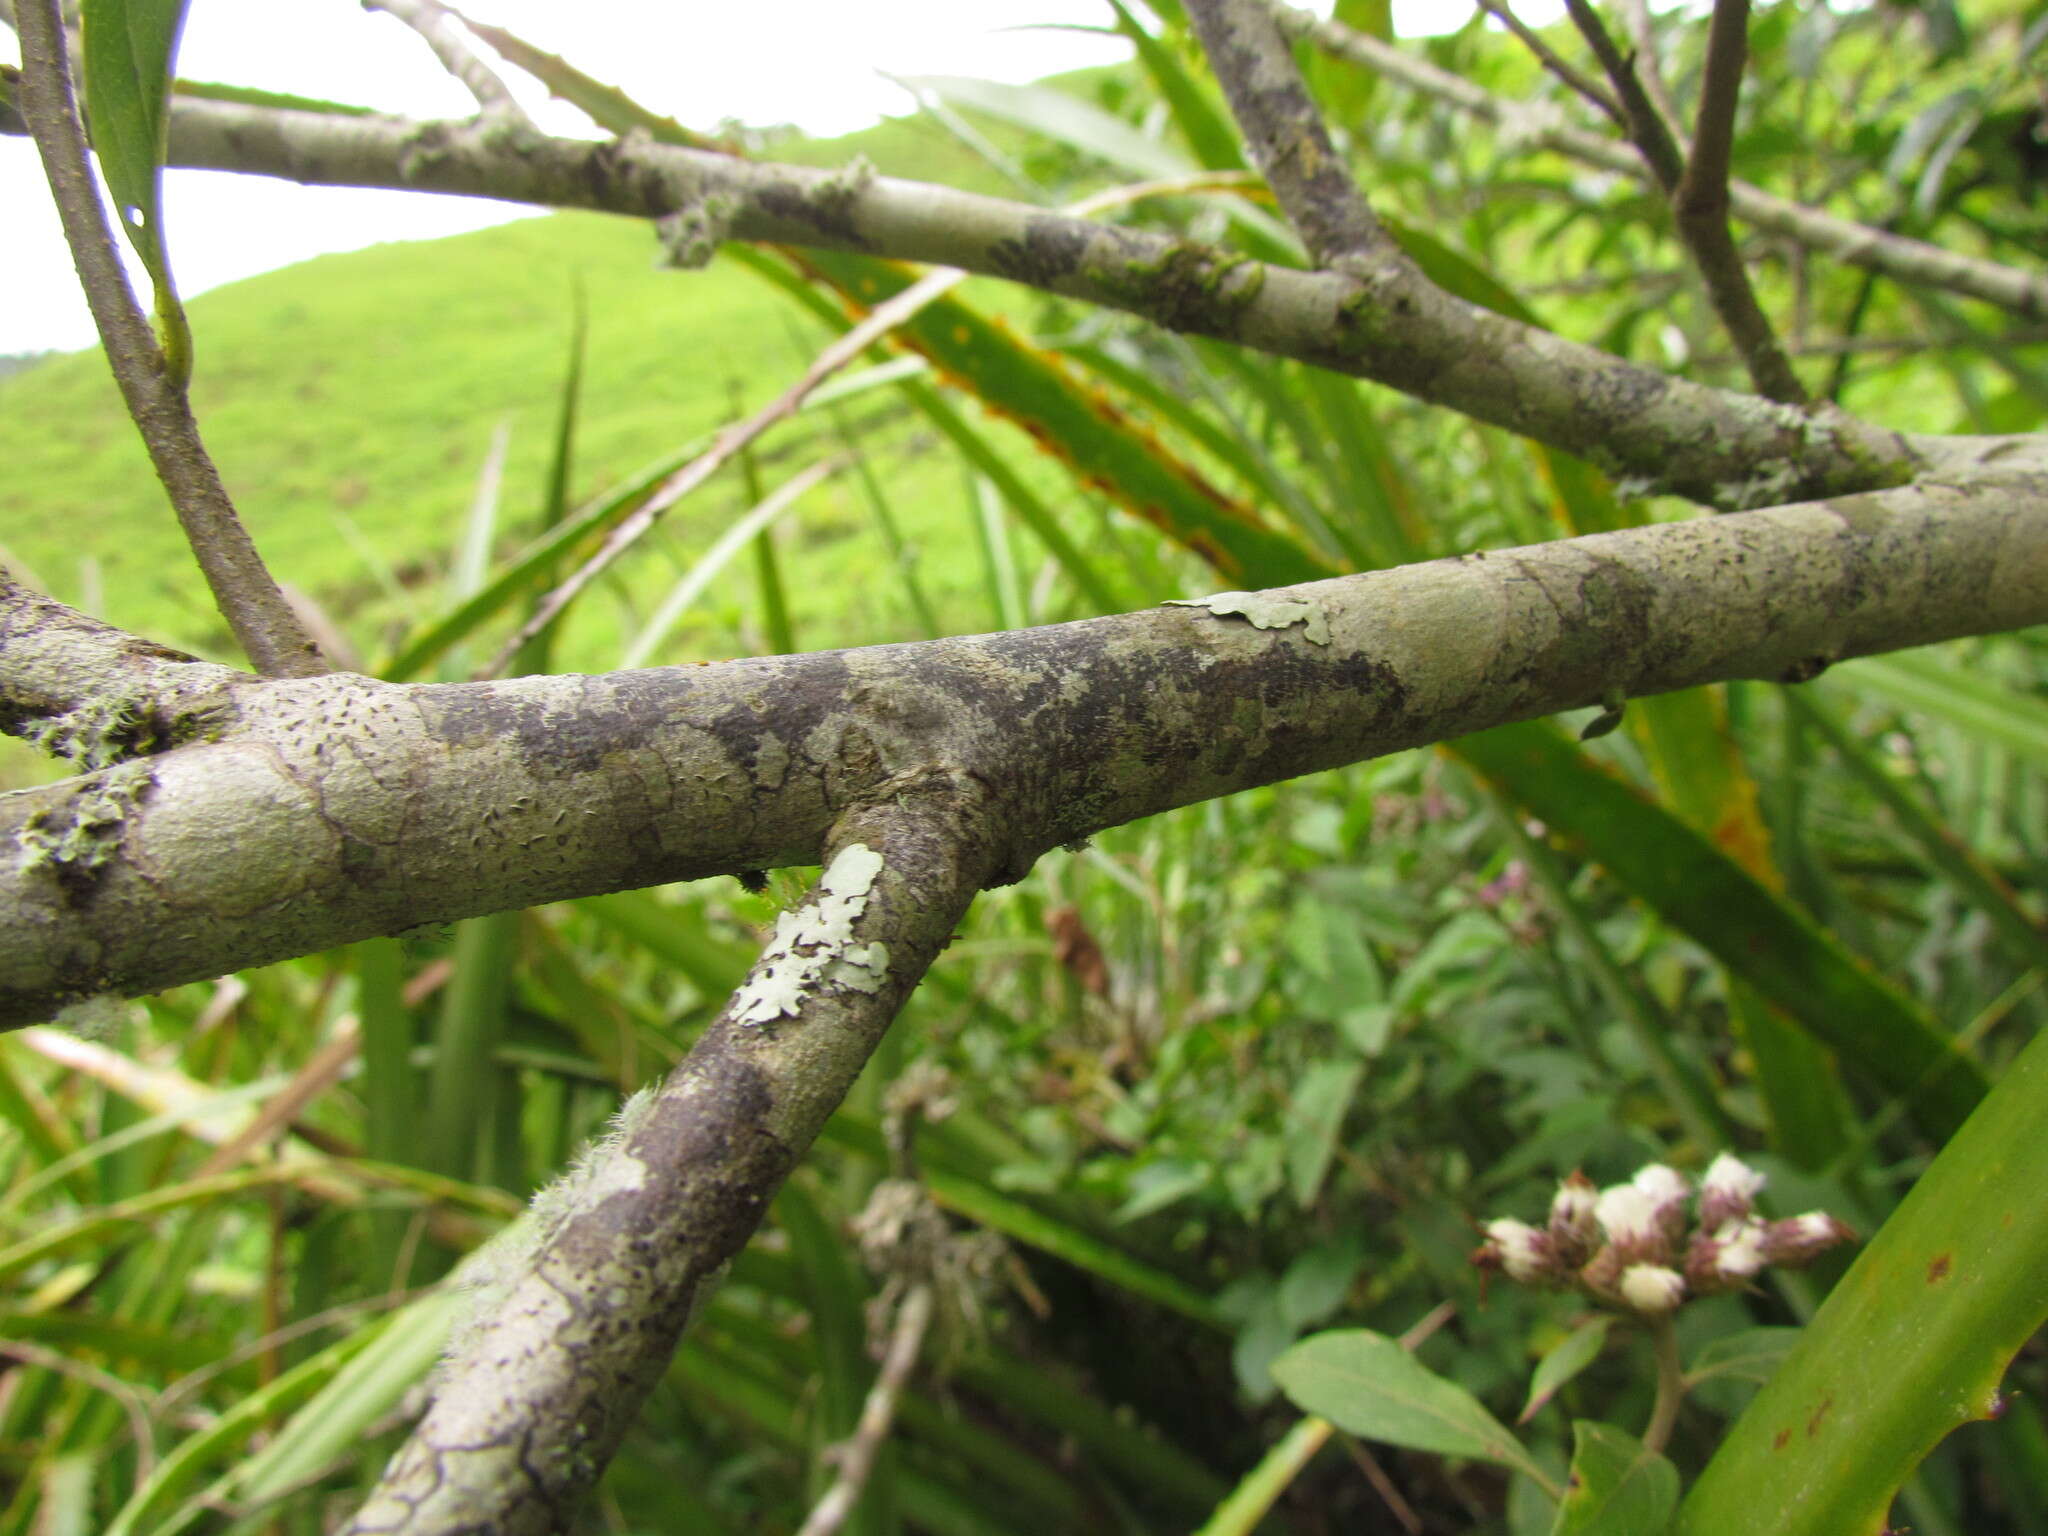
350, 402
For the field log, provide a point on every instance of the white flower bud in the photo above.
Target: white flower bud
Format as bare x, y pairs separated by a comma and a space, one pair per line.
1727, 1192
1572, 1226
1661, 1183
1523, 1252
1652, 1289
1627, 1215
1739, 1250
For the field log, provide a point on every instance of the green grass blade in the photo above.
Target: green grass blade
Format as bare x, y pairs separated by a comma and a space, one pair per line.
2024, 939
1936, 684
1021, 1223
149, 1512
471, 1024
1908, 1346
754, 525
530, 571
1756, 935
357, 1396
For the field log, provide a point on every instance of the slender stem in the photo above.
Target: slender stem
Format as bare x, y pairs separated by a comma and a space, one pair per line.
1701, 203
1285, 131
2022, 291
877, 1415
268, 631
1551, 60
1646, 130
1670, 1385
438, 25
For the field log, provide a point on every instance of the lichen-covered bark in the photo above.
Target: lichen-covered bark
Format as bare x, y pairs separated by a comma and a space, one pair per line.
1726, 449
571, 1335
314, 812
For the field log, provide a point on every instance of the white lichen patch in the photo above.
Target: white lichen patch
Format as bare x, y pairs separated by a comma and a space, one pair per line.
604, 1167
814, 944
1264, 612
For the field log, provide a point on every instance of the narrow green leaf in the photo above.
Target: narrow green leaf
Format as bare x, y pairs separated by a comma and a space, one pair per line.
1083, 429
1681, 875
1618, 1487
1564, 1360
179, 1472
1366, 1383
1020, 1222
361, 1393
1909, 1345
129, 46
1938, 685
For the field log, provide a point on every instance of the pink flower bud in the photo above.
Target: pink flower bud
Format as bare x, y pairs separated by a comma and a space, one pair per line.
1573, 1227
1728, 1192
1519, 1251
1800, 1240
1728, 1259
1633, 1222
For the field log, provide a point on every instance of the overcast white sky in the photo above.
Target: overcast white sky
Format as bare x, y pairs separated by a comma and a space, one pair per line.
814, 63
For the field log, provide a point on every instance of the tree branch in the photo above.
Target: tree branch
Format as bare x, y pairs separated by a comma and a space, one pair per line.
263, 624
442, 31
1551, 60
1287, 138
359, 808
1647, 130
531, 1406
1700, 201
1909, 261
1667, 433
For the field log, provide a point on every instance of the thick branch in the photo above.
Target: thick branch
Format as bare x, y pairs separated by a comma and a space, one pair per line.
269, 633
1909, 261
1286, 135
326, 810
533, 1404
1666, 432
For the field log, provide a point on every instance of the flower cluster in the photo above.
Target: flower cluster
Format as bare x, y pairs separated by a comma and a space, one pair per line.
1637, 1247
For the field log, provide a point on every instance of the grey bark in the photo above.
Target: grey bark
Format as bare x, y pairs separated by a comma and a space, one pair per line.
301, 814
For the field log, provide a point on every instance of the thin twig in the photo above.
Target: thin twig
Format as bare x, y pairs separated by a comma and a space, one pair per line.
1286, 134
1701, 204
443, 33
1555, 62
1646, 129
2021, 291
856, 1455
1642, 36
269, 633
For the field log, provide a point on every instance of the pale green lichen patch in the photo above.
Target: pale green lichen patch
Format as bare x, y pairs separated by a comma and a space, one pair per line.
1264, 612
83, 831
691, 235
814, 944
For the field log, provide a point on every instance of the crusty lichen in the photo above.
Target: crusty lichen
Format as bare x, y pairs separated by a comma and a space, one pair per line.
691, 235
814, 945
1262, 611
82, 831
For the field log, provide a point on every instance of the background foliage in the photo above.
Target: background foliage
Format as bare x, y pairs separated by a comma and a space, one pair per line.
1221, 1079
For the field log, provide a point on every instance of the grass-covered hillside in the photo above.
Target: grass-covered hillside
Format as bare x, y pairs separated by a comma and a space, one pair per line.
351, 402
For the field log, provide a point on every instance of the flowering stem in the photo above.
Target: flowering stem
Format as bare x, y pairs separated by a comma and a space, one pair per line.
1670, 1385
